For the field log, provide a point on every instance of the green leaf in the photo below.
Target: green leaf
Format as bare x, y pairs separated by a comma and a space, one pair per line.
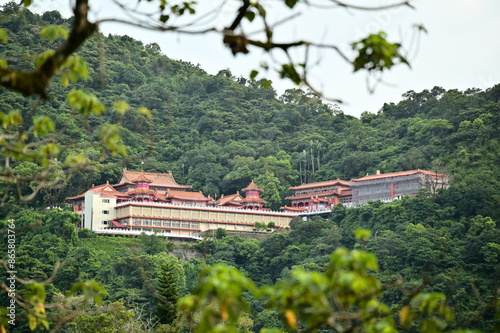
121, 107
288, 71
42, 125
250, 15
91, 290
362, 234
164, 18
43, 57
291, 3
145, 112
54, 32
375, 53
84, 103
253, 74
32, 321
3, 35
76, 68
109, 135
12, 118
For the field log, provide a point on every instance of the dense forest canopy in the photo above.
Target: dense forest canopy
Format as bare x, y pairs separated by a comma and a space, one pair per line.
219, 132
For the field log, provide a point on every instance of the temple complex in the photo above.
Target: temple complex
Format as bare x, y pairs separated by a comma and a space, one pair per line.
154, 202
145, 201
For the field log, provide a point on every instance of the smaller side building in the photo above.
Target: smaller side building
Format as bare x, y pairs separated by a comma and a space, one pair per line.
319, 196
390, 186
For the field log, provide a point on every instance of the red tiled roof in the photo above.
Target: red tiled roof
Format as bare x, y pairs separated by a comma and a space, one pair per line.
294, 209
80, 196
397, 174
260, 200
141, 179
183, 195
141, 191
319, 200
252, 187
104, 189
157, 179
117, 225
345, 193
234, 199
306, 196
320, 184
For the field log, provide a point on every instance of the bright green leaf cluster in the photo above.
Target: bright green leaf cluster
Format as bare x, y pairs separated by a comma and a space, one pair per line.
75, 68
220, 297
3, 35
288, 71
110, 137
121, 107
84, 103
43, 57
10, 119
375, 53
145, 112
182, 8
432, 308
91, 289
42, 125
36, 298
53, 32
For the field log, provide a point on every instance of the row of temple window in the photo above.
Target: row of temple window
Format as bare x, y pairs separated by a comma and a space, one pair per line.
169, 224
324, 190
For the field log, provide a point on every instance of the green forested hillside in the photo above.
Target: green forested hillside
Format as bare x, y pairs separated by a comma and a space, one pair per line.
219, 132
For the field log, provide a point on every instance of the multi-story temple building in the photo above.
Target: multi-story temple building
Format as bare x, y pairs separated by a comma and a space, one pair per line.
390, 186
319, 196
145, 201
386, 187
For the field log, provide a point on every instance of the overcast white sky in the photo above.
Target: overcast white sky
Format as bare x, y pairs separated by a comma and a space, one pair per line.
460, 51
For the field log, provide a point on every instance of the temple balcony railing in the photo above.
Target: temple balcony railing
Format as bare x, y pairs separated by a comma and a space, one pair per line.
232, 209
128, 232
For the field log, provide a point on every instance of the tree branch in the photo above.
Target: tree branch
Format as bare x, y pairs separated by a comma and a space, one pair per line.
37, 81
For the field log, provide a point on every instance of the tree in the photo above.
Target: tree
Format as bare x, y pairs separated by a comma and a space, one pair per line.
344, 298
167, 294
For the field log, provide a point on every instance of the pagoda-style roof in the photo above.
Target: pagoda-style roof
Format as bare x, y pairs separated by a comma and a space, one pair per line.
165, 180
252, 187
186, 196
256, 200
320, 184
104, 189
294, 209
143, 191
398, 174
231, 199
141, 179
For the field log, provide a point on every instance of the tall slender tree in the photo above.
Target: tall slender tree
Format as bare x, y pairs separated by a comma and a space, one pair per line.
167, 294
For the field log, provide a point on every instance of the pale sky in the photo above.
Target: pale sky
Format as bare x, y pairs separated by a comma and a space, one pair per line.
460, 51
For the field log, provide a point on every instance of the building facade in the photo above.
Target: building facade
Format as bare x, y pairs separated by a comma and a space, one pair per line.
390, 186
143, 201
319, 196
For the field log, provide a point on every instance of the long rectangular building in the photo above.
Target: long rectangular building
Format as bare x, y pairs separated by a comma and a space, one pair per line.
168, 208
390, 186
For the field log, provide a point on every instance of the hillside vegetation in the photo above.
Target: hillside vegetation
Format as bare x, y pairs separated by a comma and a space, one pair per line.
217, 133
